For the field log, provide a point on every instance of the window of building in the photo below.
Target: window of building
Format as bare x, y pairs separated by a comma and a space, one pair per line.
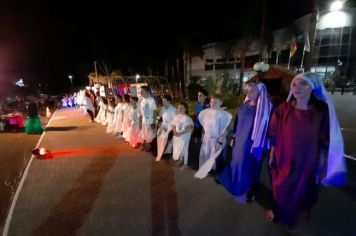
221, 60
209, 67
224, 66
332, 50
344, 50
346, 38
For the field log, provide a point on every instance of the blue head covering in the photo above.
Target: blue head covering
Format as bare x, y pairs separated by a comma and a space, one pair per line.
336, 168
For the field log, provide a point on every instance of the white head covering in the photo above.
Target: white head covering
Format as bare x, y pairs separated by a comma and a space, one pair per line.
336, 169
260, 125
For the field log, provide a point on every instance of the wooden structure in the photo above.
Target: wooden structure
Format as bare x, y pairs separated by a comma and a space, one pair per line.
277, 80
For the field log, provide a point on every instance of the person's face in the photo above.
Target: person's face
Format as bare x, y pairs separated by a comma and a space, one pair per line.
201, 97
301, 89
165, 103
181, 109
252, 92
144, 93
215, 103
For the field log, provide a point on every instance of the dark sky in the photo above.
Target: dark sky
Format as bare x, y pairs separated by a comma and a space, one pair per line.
47, 40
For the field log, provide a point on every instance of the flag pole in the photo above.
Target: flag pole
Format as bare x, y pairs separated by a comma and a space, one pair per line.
289, 61
301, 64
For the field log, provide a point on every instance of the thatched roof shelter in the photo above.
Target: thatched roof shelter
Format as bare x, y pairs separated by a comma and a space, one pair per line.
277, 80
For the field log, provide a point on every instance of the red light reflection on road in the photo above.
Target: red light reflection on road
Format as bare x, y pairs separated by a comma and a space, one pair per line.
106, 150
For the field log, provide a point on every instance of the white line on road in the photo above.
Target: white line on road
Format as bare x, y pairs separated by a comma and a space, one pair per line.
18, 190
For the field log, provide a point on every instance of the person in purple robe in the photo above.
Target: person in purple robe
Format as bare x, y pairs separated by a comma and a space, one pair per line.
249, 142
306, 150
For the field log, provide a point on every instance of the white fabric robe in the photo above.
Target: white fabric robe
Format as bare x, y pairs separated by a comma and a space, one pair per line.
134, 129
118, 117
126, 120
147, 107
101, 117
167, 115
181, 143
88, 105
215, 123
110, 119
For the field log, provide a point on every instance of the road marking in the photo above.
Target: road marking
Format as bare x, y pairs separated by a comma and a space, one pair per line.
18, 190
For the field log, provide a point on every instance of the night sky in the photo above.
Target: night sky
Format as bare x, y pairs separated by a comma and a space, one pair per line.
43, 42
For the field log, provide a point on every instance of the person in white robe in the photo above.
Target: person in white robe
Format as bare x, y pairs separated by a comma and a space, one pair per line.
215, 122
65, 102
126, 117
147, 107
166, 113
101, 117
118, 116
110, 115
134, 129
182, 126
89, 106
81, 100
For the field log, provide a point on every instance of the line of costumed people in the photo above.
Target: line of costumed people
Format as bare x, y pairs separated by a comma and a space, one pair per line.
135, 121
301, 140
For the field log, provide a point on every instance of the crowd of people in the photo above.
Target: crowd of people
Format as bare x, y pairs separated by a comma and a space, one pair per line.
18, 112
301, 139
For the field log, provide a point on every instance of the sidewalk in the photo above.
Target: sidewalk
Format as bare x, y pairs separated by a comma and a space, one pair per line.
97, 185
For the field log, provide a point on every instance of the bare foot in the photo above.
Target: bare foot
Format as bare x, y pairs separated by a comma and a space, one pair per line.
178, 163
183, 167
270, 215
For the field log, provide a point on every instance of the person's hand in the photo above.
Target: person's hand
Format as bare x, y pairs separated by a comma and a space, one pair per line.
218, 145
232, 142
271, 157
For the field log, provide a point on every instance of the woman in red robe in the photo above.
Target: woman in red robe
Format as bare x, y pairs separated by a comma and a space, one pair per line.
306, 149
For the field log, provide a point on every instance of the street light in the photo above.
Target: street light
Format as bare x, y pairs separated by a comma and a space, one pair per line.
260, 68
337, 5
70, 77
137, 76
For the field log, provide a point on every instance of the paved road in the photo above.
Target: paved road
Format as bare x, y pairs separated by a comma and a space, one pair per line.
16, 147
346, 110
96, 185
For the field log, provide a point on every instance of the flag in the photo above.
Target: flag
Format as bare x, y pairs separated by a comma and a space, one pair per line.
293, 48
306, 43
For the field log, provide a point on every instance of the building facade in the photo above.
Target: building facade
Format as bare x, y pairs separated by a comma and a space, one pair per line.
325, 42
